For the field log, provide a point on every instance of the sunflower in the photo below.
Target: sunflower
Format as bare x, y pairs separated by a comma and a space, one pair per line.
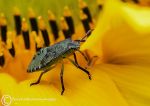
120, 71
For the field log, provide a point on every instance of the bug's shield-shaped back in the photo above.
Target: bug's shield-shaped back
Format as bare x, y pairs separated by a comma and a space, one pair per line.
36, 61
47, 56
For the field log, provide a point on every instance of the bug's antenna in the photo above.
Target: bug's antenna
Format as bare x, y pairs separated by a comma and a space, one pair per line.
87, 34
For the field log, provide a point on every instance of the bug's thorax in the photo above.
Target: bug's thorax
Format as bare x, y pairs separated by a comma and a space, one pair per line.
74, 45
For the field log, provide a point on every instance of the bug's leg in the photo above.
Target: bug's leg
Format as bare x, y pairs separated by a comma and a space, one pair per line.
78, 66
39, 79
87, 72
92, 60
85, 57
61, 78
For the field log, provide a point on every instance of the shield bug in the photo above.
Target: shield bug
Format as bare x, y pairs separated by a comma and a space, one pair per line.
46, 58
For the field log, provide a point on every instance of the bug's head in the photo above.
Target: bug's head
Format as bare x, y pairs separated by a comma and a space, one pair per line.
86, 35
73, 45
76, 43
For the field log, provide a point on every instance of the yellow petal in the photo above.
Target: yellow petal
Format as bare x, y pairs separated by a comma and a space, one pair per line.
23, 94
122, 39
121, 36
138, 18
132, 82
101, 90
6, 82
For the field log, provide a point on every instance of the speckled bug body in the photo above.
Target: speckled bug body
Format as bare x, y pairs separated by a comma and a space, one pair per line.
47, 57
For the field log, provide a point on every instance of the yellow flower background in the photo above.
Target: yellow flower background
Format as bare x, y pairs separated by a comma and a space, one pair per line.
120, 76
